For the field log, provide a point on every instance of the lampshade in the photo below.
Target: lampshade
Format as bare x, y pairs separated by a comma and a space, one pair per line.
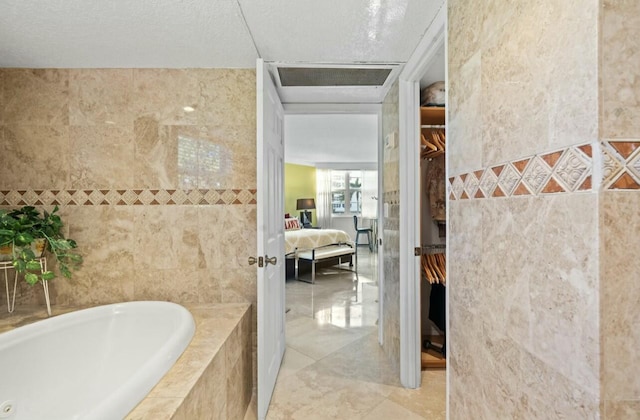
305, 204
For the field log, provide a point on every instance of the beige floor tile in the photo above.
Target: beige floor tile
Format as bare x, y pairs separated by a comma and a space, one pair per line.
317, 340
334, 367
313, 395
363, 360
429, 400
293, 361
388, 410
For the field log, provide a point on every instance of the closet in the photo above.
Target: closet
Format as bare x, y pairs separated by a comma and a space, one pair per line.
433, 236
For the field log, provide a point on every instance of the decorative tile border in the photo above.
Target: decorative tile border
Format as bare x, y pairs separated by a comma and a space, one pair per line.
137, 197
565, 170
621, 165
562, 171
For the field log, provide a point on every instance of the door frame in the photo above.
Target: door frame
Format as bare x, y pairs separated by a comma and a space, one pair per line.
409, 163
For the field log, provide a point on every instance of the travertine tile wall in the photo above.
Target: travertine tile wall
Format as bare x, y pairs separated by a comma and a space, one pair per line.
391, 231
619, 210
160, 200
523, 244
543, 237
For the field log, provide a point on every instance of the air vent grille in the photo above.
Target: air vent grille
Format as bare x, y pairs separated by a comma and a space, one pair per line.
324, 76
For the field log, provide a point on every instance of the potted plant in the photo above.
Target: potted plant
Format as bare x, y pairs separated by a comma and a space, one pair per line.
24, 237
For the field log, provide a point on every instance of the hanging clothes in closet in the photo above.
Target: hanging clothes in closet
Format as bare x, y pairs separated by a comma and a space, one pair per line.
434, 213
434, 271
436, 189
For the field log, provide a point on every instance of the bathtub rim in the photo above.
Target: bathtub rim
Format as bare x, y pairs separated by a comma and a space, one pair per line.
145, 378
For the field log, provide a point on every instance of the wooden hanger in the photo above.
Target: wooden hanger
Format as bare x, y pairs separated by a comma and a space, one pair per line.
428, 144
434, 143
434, 268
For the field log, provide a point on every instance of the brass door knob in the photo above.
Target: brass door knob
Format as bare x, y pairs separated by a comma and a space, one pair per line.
253, 260
272, 260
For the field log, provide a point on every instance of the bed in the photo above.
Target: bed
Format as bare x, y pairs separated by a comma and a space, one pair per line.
309, 249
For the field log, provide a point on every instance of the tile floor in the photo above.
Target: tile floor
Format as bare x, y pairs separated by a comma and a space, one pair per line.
333, 367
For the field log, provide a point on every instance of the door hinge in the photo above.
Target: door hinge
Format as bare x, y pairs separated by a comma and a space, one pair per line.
417, 251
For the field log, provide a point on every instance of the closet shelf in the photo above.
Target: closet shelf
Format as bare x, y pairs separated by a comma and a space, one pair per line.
432, 115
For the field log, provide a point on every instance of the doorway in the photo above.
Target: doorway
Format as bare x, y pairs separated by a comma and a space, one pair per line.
271, 73
331, 159
332, 324
410, 309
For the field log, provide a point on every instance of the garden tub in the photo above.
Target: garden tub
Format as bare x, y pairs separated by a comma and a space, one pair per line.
96, 363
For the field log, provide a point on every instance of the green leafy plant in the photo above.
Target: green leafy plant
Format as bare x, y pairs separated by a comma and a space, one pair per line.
22, 229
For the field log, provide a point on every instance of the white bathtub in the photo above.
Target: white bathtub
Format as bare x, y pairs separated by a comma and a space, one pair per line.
97, 363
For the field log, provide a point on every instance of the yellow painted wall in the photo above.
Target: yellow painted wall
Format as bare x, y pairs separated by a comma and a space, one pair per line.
299, 182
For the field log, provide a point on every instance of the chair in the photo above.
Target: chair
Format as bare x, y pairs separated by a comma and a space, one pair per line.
360, 231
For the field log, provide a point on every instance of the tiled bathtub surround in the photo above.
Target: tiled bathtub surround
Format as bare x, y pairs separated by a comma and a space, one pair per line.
211, 379
160, 199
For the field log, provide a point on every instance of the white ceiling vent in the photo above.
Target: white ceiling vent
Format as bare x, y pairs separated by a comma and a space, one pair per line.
328, 76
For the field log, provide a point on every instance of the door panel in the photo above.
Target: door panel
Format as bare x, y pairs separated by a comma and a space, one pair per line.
270, 212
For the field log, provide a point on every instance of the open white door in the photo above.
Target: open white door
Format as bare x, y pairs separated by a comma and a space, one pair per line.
410, 217
271, 277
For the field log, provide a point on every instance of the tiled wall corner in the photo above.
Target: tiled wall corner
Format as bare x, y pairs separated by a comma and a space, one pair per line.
619, 208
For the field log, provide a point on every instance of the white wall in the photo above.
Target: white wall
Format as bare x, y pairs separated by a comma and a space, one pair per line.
346, 223
333, 141
316, 139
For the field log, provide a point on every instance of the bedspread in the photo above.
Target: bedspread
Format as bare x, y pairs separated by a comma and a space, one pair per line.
305, 239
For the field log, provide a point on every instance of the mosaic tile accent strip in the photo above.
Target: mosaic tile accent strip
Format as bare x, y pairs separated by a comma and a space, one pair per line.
562, 171
621, 165
138, 197
567, 170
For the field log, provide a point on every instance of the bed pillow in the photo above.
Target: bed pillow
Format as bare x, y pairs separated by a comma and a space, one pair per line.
292, 223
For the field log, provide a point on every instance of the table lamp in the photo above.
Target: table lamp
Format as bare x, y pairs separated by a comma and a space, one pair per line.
305, 204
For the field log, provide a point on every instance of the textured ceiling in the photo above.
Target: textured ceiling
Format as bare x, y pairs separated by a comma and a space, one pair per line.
208, 33
124, 33
338, 31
